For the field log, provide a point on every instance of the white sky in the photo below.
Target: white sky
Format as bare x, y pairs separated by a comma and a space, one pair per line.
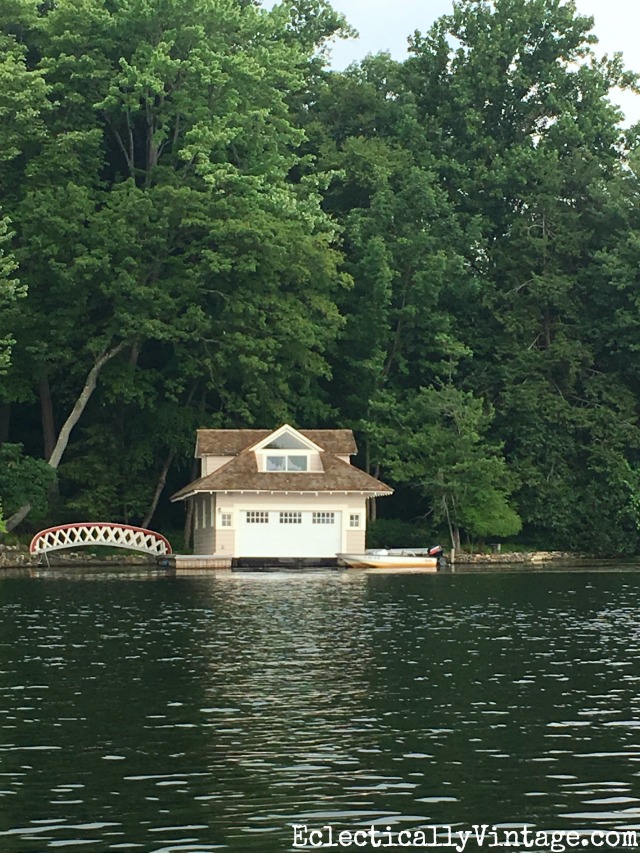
385, 25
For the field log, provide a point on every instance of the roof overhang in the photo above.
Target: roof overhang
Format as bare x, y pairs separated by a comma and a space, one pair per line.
315, 492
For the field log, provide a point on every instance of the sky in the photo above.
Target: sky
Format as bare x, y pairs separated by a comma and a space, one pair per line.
385, 25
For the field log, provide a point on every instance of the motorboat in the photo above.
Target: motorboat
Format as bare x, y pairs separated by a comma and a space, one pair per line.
416, 559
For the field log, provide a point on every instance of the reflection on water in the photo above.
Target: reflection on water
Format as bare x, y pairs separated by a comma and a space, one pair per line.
200, 714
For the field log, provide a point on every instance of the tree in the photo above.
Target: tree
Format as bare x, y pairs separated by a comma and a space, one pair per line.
9, 292
23, 480
157, 225
515, 106
22, 98
436, 440
401, 240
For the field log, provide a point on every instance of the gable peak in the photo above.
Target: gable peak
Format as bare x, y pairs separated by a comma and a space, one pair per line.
286, 437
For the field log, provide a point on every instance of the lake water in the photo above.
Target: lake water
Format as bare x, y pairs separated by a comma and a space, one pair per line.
151, 713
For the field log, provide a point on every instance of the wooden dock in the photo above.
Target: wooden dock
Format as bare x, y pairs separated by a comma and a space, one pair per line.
207, 562
194, 561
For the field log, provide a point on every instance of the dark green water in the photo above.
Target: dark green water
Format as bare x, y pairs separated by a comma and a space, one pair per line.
198, 714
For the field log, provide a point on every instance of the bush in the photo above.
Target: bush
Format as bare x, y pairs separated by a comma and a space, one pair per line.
24, 480
395, 533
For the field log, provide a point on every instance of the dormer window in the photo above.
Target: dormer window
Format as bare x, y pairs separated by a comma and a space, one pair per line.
286, 441
286, 451
287, 462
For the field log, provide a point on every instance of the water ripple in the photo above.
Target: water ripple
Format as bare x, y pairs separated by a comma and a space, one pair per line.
217, 712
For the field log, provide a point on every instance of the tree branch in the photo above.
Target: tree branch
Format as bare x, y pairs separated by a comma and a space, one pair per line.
71, 421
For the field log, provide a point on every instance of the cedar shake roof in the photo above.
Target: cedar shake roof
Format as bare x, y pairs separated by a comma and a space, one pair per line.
241, 472
231, 442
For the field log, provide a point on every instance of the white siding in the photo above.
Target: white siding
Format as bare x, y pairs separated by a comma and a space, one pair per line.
315, 462
209, 464
355, 541
230, 541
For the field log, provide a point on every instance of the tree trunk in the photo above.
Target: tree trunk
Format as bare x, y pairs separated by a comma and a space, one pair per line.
455, 538
81, 404
71, 421
5, 421
162, 479
48, 421
454, 530
373, 512
48, 434
15, 519
371, 505
165, 470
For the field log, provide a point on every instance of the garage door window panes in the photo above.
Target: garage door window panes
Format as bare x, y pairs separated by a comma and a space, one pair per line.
324, 518
290, 518
257, 517
287, 463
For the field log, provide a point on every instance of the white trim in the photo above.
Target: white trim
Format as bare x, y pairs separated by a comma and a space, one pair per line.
260, 445
289, 492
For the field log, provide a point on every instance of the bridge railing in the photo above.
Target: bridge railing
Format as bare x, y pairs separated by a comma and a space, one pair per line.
88, 534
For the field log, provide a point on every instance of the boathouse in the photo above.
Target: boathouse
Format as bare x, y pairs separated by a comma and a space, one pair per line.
283, 493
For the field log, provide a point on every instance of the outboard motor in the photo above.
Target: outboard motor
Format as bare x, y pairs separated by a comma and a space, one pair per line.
438, 551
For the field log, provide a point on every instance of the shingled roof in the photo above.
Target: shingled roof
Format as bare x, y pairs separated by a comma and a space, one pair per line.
241, 472
231, 442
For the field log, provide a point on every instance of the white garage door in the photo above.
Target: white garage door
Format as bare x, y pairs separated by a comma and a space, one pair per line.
288, 533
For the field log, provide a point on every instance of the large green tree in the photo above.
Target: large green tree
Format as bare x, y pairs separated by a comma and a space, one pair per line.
502, 110
531, 148
167, 251
402, 241
22, 100
437, 441
9, 292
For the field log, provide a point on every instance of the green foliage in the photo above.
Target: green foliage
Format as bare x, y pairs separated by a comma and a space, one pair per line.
436, 441
394, 533
23, 480
156, 209
9, 292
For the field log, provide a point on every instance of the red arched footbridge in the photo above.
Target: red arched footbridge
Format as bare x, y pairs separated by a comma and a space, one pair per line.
88, 534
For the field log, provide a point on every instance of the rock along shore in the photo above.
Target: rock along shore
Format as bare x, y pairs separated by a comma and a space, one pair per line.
18, 557
531, 557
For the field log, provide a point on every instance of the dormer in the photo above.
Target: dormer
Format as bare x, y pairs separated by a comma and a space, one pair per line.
287, 451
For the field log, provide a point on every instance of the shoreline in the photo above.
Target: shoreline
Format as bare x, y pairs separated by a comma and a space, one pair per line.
525, 557
18, 557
